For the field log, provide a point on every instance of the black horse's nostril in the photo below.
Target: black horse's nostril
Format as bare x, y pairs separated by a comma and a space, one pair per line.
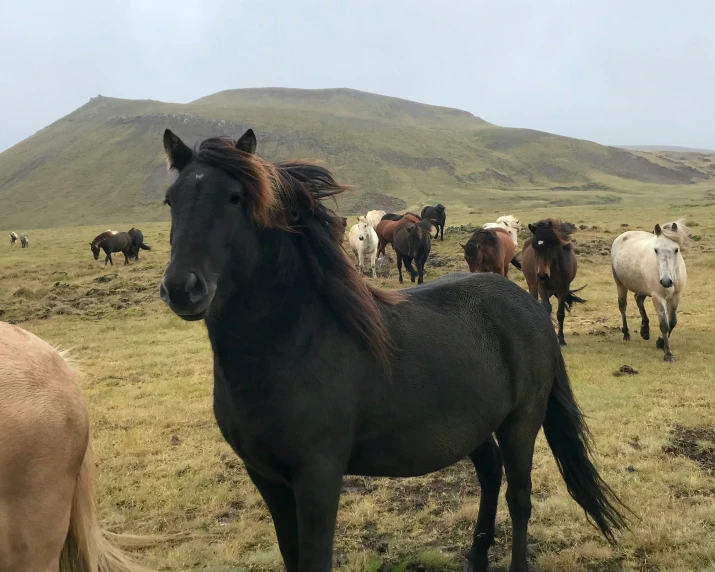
666, 282
195, 287
542, 277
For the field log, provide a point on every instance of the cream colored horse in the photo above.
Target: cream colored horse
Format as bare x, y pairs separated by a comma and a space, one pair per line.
510, 223
651, 265
374, 217
363, 241
48, 514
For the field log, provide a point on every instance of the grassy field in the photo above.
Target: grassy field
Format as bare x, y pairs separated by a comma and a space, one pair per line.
164, 467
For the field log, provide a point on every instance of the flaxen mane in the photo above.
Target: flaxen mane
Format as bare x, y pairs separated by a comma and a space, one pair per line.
287, 196
681, 234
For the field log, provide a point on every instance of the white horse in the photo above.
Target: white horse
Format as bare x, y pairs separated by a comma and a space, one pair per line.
651, 265
13, 238
24, 240
374, 217
363, 241
508, 222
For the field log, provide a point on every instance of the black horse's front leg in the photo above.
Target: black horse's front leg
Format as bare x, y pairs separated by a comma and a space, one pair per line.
441, 232
108, 258
560, 315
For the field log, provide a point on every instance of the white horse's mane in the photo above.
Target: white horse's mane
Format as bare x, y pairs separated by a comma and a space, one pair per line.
510, 220
681, 235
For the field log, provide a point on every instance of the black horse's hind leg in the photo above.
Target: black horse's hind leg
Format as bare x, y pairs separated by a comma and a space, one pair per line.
487, 462
420, 262
560, 315
280, 501
441, 232
410, 268
645, 322
399, 265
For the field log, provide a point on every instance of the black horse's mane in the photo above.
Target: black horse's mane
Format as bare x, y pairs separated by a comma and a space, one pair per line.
551, 232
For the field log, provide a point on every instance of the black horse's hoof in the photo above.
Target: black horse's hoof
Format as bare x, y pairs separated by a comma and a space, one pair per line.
562, 342
626, 337
468, 566
669, 358
645, 334
660, 343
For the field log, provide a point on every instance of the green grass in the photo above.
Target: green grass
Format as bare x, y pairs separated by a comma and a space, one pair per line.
104, 163
147, 377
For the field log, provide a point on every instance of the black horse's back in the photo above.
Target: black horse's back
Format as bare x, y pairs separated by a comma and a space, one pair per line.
137, 242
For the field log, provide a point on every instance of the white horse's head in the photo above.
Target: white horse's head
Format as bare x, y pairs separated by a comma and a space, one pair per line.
363, 228
669, 240
510, 221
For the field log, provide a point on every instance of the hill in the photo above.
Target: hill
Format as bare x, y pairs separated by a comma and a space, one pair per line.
667, 149
104, 162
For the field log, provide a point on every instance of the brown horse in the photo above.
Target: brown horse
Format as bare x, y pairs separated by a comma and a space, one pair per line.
48, 520
386, 231
112, 241
489, 250
549, 265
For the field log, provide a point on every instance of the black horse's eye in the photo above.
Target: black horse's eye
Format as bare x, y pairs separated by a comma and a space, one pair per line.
656, 251
167, 202
235, 198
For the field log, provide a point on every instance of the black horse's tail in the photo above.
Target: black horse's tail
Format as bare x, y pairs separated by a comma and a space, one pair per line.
569, 440
516, 263
144, 246
572, 299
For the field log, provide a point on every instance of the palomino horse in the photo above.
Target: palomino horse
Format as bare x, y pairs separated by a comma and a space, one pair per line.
509, 223
317, 374
48, 519
386, 230
373, 218
13, 238
489, 250
413, 242
651, 265
439, 217
363, 241
112, 241
549, 265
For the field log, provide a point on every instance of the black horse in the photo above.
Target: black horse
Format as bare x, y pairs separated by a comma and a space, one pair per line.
413, 242
112, 242
438, 215
393, 216
137, 242
317, 374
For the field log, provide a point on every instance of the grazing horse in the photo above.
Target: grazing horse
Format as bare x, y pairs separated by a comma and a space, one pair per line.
111, 241
317, 374
373, 218
651, 265
438, 215
13, 238
24, 240
363, 241
386, 230
49, 514
413, 242
549, 265
137, 242
489, 250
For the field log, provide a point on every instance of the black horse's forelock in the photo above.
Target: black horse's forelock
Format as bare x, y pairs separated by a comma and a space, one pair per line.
483, 237
551, 232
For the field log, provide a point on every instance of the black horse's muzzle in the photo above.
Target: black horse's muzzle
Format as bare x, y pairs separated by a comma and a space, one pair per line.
542, 277
187, 294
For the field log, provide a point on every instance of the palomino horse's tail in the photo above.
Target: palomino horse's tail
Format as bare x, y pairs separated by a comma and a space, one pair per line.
572, 299
568, 437
87, 548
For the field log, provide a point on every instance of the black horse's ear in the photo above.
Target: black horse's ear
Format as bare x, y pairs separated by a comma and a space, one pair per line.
657, 230
178, 154
532, 228
247, 143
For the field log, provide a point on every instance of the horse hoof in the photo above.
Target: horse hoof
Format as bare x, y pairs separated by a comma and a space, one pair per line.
562, 343
669, 359
645, 335
659, 343
467, 566
626, 337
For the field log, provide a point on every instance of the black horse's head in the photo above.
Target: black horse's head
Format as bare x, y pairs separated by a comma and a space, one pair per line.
95, 249
548, 236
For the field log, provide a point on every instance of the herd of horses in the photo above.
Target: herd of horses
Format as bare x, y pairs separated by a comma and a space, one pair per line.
318, 374
128, 243
22, 237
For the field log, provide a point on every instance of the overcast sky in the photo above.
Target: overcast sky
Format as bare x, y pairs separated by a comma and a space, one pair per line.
613, 71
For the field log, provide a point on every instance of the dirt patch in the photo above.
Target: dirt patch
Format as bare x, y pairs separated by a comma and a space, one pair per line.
695, 443
625, 370
594, 247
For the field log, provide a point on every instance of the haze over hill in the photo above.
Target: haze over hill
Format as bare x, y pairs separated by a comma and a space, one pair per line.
104, 162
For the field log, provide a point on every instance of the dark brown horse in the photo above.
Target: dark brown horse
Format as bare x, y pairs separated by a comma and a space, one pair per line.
386, 230
489, 250
137, 242
549, 265
439, 217
111, 241
412, 242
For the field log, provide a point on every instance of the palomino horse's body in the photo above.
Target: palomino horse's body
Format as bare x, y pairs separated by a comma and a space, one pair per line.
489, 250
651, 265
363, 241
48, 519
317, 374
549, 265
386, 230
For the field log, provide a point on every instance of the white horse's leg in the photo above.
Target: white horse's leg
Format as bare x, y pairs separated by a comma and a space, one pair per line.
645, 322
672, 306
663, 342
373, 258
622, 305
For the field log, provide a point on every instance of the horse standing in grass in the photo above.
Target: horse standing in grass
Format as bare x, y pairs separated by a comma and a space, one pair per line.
413, 241
49, 514
439, 217
549, 266
112, 241
509, 223
386, 230
24, 240
13, 238
363, 241
373, 218
137, 242
317, 374
651, 265
489, 250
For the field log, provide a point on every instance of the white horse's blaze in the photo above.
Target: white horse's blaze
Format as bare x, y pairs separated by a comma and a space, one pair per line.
540, 243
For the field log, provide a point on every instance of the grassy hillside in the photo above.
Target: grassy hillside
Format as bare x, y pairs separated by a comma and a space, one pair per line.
104, 162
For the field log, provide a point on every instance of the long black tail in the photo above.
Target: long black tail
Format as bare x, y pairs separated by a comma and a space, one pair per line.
572, 299
144, 246
569, 440
516, 263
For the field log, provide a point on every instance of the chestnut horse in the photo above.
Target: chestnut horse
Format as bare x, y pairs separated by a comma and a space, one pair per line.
549, 265
386, 231
489, 250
